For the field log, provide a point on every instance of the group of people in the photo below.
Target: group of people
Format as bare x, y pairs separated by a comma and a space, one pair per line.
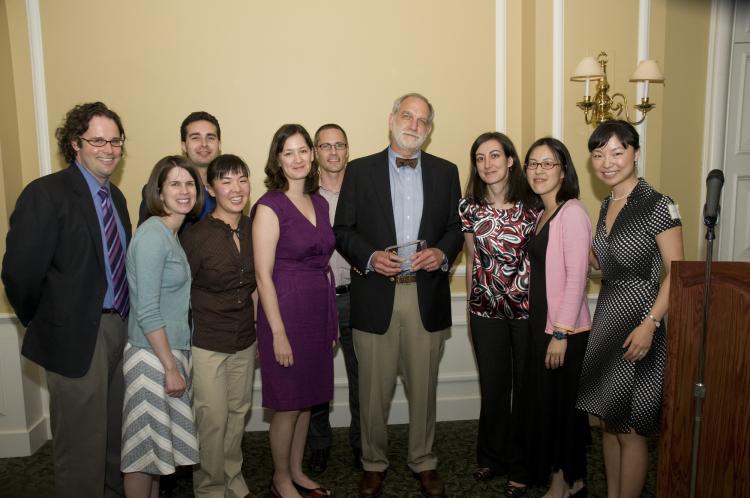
149, 342
543, 363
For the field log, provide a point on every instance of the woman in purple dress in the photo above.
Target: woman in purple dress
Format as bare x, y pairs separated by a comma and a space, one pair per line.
297, 323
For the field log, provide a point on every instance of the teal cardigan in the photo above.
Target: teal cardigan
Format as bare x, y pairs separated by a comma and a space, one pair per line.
159, 280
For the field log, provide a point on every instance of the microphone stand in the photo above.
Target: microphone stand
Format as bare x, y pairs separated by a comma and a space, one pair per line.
699, 389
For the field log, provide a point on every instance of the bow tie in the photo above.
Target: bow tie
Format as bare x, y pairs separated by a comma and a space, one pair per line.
400, 161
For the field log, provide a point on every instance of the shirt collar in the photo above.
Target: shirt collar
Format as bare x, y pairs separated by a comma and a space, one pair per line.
91, 181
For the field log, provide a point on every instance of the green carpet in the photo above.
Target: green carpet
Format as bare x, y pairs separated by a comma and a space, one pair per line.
454, 444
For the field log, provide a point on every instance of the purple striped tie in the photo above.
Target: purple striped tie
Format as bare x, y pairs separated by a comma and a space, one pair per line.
116, 255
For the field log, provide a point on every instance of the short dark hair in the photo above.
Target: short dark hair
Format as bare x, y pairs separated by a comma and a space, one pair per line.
154, 204
569, 189
275, 179
329, 126
77, 122
199, 116
476, 189
225, 164
624, 131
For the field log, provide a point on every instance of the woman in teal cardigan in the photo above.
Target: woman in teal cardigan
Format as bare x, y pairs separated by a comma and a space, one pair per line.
158, 432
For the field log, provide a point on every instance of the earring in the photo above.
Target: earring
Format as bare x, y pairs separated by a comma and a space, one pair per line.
635, 162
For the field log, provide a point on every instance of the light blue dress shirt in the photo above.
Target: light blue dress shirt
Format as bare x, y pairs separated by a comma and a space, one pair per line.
407, 198
94, 186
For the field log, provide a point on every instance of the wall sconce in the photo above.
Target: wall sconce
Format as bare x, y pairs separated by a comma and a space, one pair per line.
602, 106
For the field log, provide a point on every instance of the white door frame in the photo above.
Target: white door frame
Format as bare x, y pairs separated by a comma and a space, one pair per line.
717, 90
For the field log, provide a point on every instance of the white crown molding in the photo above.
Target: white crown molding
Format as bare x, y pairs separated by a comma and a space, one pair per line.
558, 63
501, 62
34, 20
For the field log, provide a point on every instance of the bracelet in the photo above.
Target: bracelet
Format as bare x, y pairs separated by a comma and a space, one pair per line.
560, 336
656, 322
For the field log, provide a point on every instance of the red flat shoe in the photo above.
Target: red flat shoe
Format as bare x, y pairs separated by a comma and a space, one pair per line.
320, 492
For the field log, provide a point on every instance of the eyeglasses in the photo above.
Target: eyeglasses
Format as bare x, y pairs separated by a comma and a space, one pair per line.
327, 147
544, 164
100, 142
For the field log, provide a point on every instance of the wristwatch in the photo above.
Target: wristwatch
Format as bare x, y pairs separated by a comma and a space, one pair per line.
560, 336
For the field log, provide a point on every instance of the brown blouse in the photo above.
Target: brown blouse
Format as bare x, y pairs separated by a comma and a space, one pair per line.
223, 280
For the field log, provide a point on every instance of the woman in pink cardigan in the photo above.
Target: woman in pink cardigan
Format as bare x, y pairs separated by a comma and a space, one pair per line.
556, 432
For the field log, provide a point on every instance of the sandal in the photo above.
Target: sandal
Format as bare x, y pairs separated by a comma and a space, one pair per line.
320, 492
483, 474
512, 491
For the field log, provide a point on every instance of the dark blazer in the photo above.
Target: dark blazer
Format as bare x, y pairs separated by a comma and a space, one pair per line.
364, 224
54, 272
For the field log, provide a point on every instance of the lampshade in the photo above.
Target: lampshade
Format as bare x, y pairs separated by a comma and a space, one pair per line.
648, 70
588, 68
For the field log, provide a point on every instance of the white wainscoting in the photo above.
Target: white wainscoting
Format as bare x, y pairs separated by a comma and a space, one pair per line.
24, 415
24, 409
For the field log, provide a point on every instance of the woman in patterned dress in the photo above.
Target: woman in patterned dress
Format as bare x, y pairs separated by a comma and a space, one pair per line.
158, 432
638, 235
497, 223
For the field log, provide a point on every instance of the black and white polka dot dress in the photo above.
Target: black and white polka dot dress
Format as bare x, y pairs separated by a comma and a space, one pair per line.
627, 394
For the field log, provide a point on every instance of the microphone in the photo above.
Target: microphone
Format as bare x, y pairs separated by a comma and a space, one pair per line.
714, 183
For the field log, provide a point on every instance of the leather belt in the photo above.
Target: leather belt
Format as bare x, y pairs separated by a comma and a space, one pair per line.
342, 289
404, 279
109, 311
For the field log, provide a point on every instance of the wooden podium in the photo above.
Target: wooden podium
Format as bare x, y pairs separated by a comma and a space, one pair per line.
724, 451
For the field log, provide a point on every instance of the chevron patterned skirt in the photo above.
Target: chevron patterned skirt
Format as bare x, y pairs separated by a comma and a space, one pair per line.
158, 431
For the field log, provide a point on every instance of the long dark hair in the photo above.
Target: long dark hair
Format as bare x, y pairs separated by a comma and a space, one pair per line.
569, 188
476, 189
275, 179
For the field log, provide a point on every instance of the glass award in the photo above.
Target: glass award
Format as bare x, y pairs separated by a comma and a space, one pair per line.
406, 251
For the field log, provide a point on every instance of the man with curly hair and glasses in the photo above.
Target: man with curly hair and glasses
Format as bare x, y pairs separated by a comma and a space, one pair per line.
64, 274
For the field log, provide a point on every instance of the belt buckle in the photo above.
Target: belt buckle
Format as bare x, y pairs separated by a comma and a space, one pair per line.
404, 279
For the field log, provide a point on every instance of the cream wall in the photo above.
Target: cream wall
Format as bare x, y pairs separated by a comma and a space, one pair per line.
256, 65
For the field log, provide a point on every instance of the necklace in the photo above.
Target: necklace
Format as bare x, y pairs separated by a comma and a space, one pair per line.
613, 198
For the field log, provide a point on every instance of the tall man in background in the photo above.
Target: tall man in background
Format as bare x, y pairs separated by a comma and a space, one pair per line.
400, 306
332, 153
200, 140
64, 275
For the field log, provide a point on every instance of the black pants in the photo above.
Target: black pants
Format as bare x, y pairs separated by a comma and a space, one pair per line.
500, 347
319, 436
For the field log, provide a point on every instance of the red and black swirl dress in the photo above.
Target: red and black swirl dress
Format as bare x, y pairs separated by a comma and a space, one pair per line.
500, 272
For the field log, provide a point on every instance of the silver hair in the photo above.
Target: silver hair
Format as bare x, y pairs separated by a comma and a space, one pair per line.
397, 104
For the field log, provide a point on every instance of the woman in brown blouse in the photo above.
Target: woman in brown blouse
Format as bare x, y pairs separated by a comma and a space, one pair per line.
219, 250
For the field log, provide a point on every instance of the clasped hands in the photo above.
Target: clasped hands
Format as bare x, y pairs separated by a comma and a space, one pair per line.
389, 264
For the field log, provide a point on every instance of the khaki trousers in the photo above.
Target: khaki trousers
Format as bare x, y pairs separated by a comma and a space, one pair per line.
222, 396
86, 419
405, 348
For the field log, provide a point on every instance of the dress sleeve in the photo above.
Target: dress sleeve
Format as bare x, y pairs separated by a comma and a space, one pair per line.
466, 213
666, 215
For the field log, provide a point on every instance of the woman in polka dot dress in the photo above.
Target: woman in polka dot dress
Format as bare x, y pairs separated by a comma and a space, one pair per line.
638, 234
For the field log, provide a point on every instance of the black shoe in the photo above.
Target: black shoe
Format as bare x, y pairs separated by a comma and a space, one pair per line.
357, 458
581, 493
318, 460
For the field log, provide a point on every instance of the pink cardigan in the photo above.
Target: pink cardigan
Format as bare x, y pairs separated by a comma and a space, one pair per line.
567, 264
